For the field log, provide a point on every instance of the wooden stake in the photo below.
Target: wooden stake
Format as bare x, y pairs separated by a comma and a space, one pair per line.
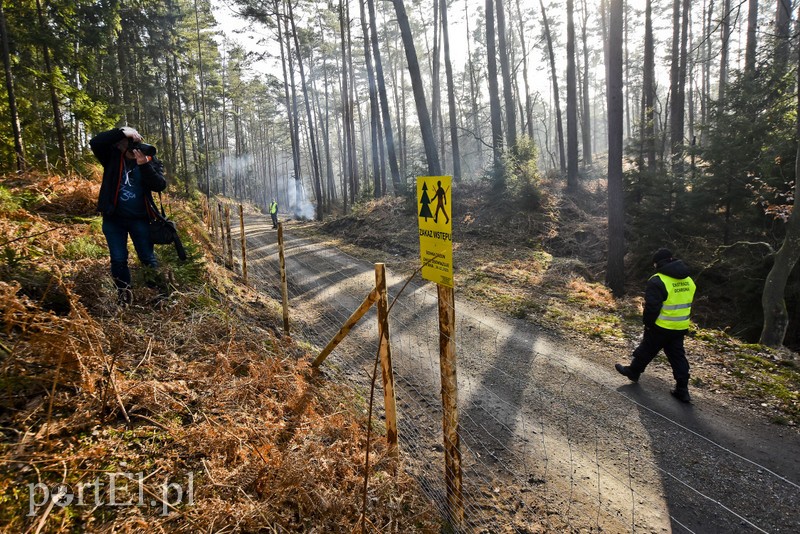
212, 229
228, 238
244, 244
221, 220
447, 364
348, 325
284, 285
386, 361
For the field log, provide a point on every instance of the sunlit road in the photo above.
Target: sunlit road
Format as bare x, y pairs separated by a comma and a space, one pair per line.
548, 436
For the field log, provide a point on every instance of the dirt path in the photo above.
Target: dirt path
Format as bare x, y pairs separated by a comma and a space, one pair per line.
553, 439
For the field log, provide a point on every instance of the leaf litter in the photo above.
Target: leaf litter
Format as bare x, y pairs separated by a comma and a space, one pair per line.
196, 392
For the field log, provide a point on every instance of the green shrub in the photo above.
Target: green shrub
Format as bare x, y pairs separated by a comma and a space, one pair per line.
524, 182
84, 247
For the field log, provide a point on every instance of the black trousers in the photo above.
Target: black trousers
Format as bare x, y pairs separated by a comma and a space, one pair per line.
274, 219
657, 338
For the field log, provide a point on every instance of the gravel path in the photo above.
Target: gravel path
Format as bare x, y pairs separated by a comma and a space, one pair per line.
553, 439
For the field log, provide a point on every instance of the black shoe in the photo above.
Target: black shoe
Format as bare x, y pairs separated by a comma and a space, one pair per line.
626, 371
124, 297
682, 394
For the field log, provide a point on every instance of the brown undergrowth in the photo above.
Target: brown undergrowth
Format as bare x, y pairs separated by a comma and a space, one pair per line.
183, 414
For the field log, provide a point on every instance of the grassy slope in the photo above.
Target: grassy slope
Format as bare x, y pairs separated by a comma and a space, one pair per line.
547, 266
200, 383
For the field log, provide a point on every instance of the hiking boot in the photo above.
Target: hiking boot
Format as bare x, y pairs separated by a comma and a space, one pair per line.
124, 297
624, 370
682, 394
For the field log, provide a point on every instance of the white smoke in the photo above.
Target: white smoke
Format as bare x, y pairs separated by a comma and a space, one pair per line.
231, 165
300, 208
244, 165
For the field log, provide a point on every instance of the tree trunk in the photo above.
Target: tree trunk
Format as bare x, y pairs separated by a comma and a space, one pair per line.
572, 102
55, 102
172, 98
615, 270
224, 153
435, 74
347, 108
648, 90
206, 172
384, 101
184, 155
374, 111
428, 139
310, 118
451, 96
474, 89
726, 38
355, 182
586, 128
678, 85
326, 138
750, 46
706, 75
626, 70
556, 100
494, 96
673, 78
776, 318
19, 147
287, 97
294, 118
528, 104
505, 68
783, 37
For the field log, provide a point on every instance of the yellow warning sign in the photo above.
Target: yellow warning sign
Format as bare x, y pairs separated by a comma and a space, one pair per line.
434, 213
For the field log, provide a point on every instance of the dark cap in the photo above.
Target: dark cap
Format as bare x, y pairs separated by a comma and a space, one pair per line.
661, 255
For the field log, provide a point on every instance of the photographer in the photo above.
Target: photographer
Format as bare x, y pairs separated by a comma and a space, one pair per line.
130, 175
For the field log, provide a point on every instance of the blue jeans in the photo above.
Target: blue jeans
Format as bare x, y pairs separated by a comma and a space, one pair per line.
116, 230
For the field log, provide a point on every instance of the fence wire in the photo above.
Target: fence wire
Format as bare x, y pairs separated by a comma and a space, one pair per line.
545, 443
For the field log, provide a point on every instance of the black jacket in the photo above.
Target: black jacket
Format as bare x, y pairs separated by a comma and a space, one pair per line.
103, 146
656, 292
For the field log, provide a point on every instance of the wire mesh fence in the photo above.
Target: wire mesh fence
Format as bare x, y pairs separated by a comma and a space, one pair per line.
546, 443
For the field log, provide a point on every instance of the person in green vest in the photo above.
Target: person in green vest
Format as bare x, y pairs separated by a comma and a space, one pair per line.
273, 212
667, 306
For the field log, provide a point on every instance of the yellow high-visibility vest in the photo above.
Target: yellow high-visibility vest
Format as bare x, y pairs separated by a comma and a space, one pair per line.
273, 208
677, 308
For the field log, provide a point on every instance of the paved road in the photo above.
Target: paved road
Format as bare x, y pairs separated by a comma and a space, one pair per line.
550, 438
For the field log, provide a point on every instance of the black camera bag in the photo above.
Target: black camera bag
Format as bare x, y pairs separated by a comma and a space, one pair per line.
164, 231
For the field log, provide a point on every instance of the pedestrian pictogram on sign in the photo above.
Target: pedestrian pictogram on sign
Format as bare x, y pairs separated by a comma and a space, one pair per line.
434, 211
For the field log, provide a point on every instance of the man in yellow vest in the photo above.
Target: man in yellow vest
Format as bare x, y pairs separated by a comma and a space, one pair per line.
273, 212
667, 307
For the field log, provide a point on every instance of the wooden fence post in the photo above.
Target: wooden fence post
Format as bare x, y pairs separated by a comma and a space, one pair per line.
346, 327
221, 220
447, 364
212, 230
386, 361
228, 238
284, 285
244, 244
